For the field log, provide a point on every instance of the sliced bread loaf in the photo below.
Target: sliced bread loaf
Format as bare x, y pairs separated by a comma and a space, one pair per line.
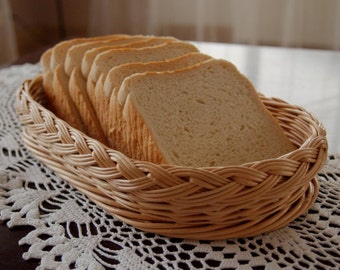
77, 97
59, 51
56, 89
46, 73
61, 102
110, 116
117, 74
75, 53
206, 115
109, 59
78, 94
77, 85
45, 60
132, 42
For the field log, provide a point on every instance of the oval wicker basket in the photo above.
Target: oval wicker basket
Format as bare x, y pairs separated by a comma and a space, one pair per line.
193, 203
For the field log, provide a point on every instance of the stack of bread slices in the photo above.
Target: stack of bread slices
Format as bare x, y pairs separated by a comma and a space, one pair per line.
159, 99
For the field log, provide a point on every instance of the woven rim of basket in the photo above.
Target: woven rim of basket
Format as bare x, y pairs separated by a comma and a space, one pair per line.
194, 203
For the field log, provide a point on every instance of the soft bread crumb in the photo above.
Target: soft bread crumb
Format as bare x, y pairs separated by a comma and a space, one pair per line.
206, 115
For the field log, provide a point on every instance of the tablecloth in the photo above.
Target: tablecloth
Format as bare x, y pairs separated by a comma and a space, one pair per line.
71, 232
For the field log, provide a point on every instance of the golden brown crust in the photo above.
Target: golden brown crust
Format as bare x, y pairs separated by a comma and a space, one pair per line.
78, 93
63, 105
111, 107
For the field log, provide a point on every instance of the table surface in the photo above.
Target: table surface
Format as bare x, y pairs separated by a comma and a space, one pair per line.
309, 78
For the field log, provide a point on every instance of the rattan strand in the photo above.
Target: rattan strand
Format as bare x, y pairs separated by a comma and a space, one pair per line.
194, 203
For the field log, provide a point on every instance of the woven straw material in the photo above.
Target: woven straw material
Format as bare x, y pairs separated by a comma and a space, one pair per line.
193, 203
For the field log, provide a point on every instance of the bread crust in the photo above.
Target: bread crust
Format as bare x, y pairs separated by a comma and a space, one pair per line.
62, 104
94, 89
78, 93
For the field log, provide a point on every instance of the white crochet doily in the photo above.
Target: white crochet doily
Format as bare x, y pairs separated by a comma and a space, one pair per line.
70, 232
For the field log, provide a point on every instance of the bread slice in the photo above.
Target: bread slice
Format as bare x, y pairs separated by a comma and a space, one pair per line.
90, 56
45, 60
78, 94
77, 83
60, 50
46, 73
117, 74
59, 90
57, 55
75, 54
52, 60
61, 102
96, 93
206, 115
133, 42
109, 59
111, 113
136, 42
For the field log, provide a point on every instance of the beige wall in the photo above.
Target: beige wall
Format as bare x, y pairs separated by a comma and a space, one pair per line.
8, 46
37, 23
303, 23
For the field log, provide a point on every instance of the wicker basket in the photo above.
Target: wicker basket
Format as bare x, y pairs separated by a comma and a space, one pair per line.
193, 203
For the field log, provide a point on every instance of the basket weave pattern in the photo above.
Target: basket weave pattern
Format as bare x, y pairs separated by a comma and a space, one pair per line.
194, 203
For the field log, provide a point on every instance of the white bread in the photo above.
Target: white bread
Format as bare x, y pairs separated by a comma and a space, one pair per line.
78, 94
109, 59
77, 82
75, 53
61, 102
79, 105
117, 74
110, 114
57, 88
59, 51
156, 105
47, 74
132, 42
206, 115
45, 60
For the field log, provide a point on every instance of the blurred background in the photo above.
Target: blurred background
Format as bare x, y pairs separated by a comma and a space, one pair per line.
29, 27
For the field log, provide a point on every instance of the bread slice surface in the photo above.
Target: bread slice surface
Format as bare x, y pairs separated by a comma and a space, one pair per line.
61, 102
75, 53
131, 52
132, 42
56, 88
206, 115
59, 51
78, 94
77, 82
111, 113
107, 60
83, 99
